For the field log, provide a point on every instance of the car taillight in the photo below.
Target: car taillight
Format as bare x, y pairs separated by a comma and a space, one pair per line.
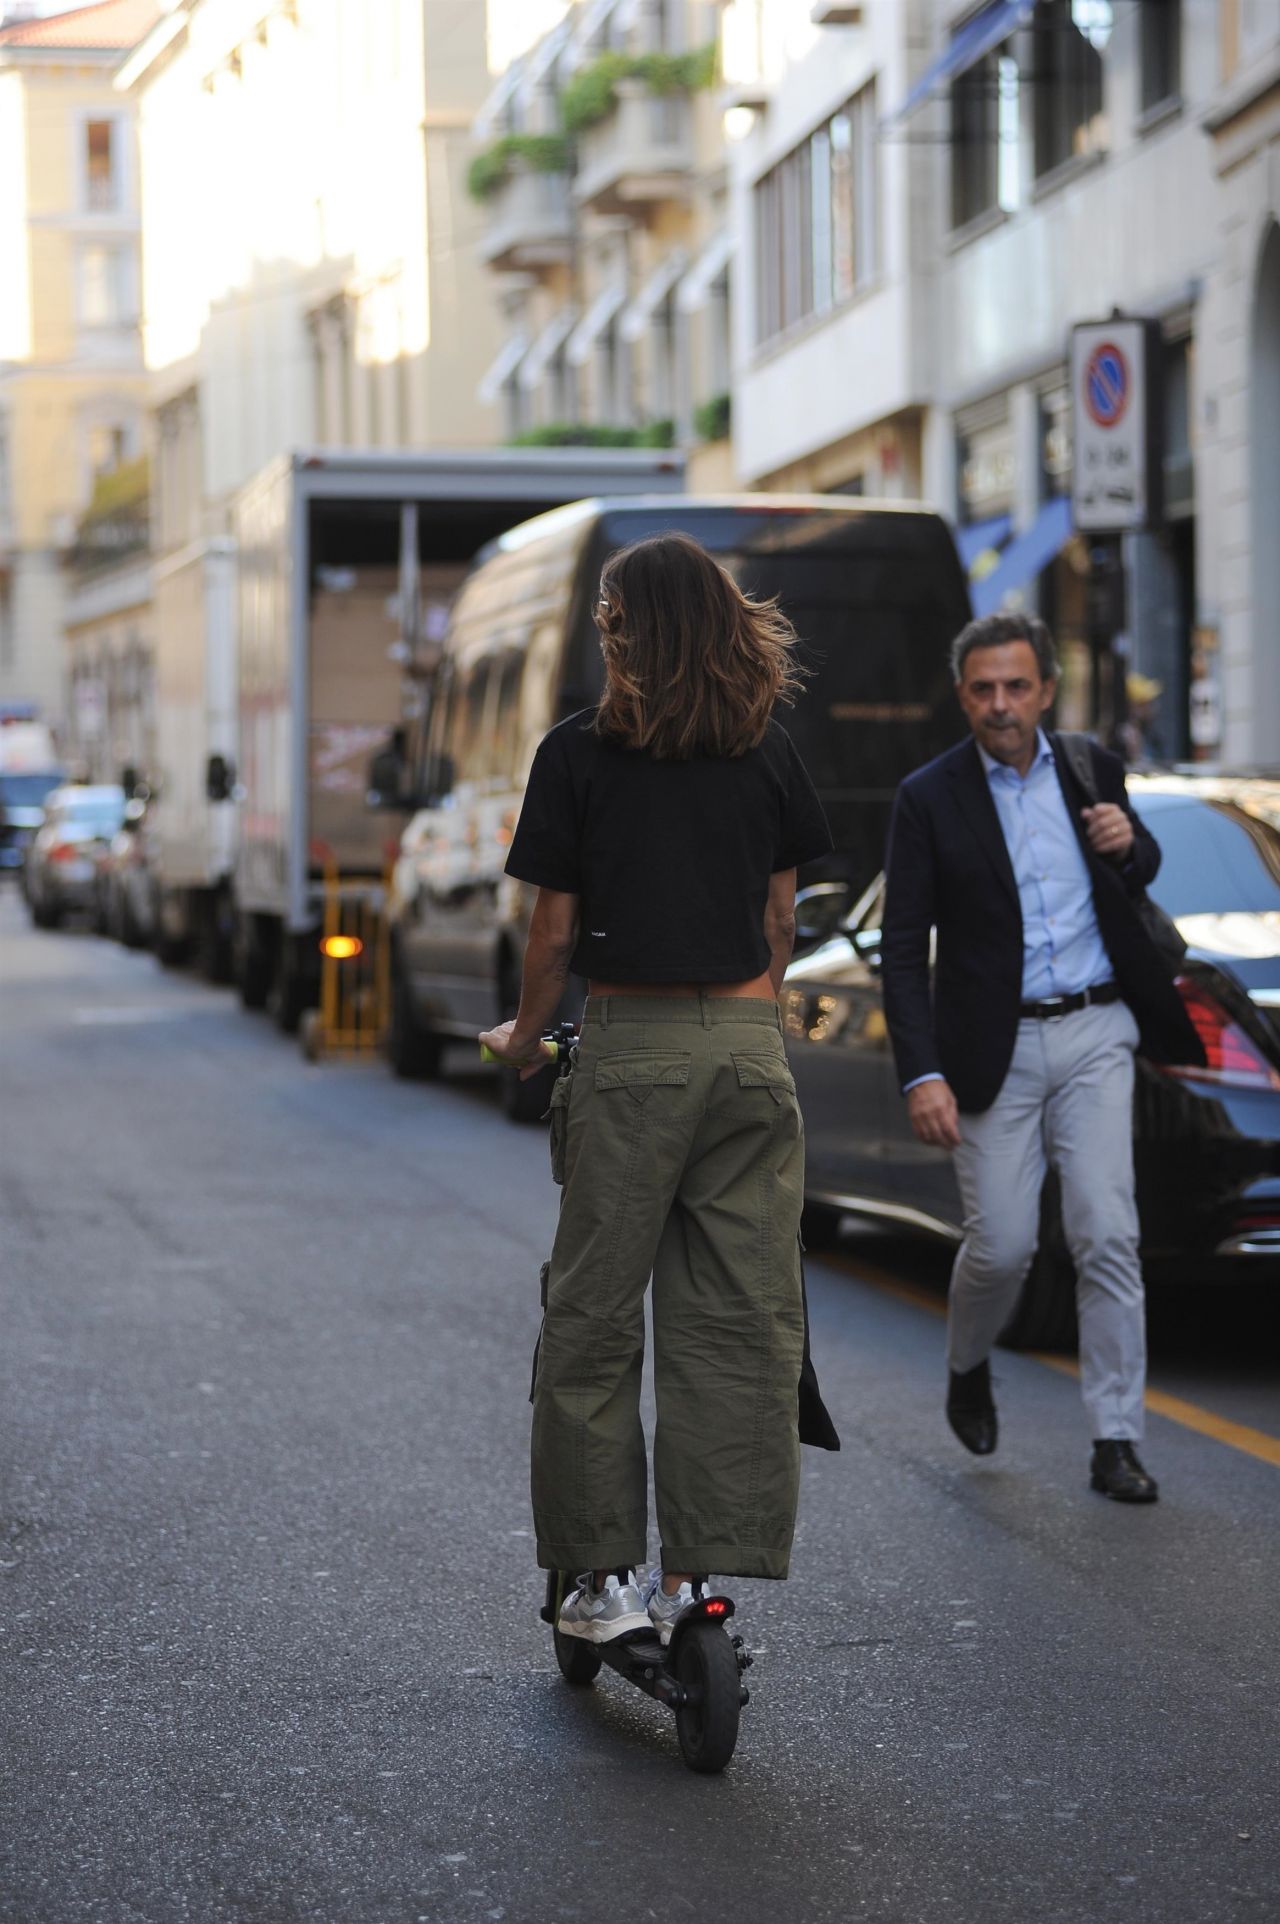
1231, 1056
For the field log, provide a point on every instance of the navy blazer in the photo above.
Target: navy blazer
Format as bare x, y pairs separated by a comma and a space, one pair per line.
949, 870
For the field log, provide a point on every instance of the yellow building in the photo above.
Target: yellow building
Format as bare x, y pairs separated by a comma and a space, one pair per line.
71, 380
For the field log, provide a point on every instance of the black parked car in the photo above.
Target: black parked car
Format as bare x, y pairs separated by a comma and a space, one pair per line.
1207, 1141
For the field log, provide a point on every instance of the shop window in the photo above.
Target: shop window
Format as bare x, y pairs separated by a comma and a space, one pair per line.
985, 458
1160, 25
102, 166
1055, 442
1069, 118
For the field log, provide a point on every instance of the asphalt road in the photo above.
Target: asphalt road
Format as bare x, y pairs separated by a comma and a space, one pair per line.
268, 1615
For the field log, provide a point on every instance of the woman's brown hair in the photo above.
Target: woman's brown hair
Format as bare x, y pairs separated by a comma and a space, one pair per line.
692, 665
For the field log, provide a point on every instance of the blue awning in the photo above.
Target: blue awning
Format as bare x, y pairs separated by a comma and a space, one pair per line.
981, 535
988, 27
1025, 555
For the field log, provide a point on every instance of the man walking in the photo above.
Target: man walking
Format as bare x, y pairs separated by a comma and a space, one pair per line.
1022, 1056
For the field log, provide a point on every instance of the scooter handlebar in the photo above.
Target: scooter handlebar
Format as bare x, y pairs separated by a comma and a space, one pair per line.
487, 1055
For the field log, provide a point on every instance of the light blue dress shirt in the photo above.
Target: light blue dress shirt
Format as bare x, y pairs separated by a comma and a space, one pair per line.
1062, 947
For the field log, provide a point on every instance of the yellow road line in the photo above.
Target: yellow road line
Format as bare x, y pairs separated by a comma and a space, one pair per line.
1237, 1436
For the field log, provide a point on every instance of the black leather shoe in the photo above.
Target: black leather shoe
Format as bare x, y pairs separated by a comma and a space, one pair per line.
1116, 1471
970, 1410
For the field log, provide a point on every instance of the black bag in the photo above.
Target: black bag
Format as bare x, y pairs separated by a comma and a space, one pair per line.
1161, 929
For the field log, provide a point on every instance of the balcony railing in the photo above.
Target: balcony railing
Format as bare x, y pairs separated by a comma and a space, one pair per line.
640, 153
529, 222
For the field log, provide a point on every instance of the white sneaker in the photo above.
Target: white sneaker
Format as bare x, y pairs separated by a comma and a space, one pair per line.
601, 1615
663, 1610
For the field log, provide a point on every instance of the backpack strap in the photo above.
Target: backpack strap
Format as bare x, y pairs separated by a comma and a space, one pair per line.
1078, 750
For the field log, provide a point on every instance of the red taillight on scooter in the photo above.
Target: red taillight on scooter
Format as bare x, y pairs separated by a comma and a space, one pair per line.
1231, 1056
715, 1607
65, 852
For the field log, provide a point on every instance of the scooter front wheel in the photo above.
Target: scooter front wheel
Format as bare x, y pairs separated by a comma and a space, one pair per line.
707, 1720
579, 1661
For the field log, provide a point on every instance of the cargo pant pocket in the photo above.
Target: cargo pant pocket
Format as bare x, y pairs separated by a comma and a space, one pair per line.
544, 1277
559, 1125
765, 1071
641, 1071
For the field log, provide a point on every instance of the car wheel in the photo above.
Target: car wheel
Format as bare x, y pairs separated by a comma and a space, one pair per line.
1045, 1316
289, 995
252, 964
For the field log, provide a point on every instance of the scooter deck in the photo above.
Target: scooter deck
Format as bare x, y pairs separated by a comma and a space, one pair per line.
643, 1661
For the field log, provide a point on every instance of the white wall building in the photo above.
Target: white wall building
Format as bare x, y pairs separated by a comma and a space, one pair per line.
1034, 163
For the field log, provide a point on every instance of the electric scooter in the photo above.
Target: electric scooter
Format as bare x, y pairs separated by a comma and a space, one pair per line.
699, 1673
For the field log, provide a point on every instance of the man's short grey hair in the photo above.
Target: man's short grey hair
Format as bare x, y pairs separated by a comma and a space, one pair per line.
993, 631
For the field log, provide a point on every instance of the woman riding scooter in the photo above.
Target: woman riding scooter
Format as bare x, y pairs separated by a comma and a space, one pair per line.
663, 830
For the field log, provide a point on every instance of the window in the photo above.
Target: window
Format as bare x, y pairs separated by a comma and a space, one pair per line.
106, 287
102, 166
1161, 52
108, 447
613, 373
662, 391
1068, 44
816, 221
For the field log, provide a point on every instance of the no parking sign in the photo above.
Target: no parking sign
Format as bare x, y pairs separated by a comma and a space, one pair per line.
1116, 475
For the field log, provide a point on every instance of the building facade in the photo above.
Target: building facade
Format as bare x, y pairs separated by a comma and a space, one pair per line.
109, 628
599, 163
72, 387
929, 198
310, 271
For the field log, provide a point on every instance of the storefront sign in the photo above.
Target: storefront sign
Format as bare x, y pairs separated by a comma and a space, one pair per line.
1115, 422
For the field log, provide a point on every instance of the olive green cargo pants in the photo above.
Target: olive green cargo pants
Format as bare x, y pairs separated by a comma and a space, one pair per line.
679, 1143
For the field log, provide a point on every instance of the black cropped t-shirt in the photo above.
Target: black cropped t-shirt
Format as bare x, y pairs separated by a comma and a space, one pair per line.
671, 860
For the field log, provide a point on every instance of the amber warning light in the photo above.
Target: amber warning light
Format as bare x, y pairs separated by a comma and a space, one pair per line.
341, 948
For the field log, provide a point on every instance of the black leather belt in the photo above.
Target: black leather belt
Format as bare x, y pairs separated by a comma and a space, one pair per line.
1056, 1005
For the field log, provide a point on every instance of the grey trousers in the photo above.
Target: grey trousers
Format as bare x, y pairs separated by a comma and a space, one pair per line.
1067, 1101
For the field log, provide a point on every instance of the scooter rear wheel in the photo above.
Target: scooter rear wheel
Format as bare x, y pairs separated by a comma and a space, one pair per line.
579, 1661
707, 1722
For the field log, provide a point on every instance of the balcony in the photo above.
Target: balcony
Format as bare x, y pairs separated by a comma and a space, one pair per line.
639, 154
529, 225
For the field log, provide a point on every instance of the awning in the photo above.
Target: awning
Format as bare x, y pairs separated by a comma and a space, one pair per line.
594, 322
987, 28
981, 535
547, 346
1026, 555
507, 360
706, 270
640, 312
595, 15
541, 57
497, 100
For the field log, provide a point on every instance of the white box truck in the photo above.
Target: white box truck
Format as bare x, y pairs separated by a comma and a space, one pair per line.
346, 567
191, 822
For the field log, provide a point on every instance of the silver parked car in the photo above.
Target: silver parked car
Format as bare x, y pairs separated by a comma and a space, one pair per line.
126, 888
63, 861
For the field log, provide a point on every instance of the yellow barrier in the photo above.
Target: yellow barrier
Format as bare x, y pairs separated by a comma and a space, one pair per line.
355, 968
